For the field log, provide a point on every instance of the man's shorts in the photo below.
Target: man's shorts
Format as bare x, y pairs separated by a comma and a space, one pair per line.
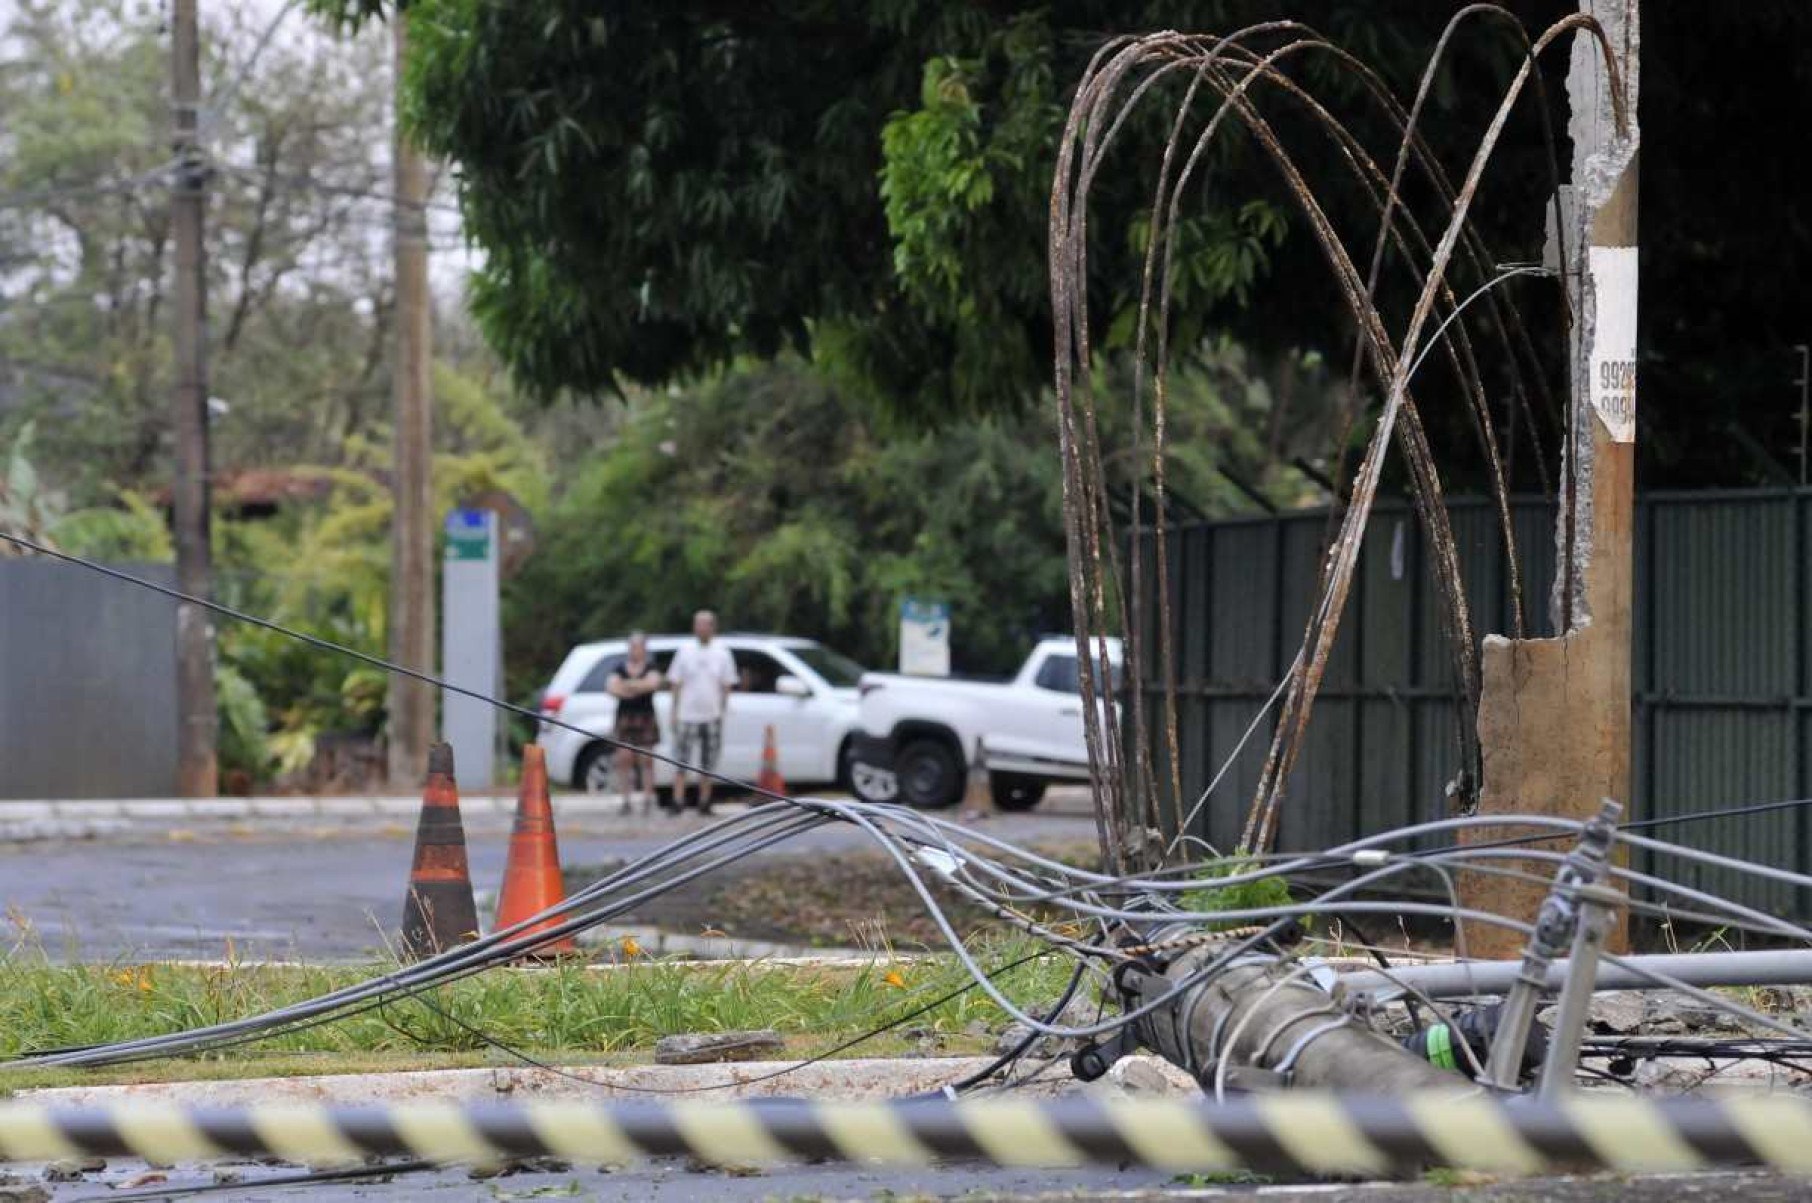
699, 744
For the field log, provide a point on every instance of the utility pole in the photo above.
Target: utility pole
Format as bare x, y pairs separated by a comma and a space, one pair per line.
197, 770
1268, 1025
411, 703
1555, 714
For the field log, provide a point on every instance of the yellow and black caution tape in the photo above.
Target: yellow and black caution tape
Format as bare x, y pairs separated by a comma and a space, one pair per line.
1294, 1131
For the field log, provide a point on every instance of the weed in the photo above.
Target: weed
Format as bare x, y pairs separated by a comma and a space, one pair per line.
1241, 896
1223, 1178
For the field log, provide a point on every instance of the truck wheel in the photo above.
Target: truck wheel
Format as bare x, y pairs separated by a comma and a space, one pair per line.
1014, 792
930, 775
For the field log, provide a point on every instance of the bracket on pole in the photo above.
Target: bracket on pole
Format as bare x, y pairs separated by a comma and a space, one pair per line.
1564, 918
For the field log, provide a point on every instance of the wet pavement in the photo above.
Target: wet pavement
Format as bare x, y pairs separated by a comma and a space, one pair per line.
311, 890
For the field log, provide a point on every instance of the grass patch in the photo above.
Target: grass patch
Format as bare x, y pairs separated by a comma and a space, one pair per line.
568, 1010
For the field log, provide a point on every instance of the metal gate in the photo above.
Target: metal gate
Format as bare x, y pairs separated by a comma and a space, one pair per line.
87, 684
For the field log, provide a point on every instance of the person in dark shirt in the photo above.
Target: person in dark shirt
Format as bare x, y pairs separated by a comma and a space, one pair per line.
633, 684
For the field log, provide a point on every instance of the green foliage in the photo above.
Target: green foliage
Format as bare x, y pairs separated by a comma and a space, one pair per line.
767, 495
771, 496
661, 187
27, 508
323, 568
243, 744
1242, 896
872, 181
132, 530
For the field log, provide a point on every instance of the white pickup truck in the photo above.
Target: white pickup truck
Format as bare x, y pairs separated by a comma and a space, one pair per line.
916, 736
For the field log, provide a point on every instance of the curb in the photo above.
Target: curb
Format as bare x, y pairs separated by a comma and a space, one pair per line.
34, 820
853, 1080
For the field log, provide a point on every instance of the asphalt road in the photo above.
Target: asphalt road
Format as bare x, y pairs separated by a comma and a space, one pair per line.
672, 1181
315, 893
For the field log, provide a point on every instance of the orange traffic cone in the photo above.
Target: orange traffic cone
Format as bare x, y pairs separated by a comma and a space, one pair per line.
769, 778
439, 911
531, 878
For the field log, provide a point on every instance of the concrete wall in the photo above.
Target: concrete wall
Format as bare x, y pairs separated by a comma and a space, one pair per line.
87, 683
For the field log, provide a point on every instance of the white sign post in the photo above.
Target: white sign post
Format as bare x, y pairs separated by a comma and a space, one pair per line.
924, 638
471, 644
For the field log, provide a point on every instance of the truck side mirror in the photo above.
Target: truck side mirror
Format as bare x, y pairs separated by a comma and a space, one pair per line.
790, 686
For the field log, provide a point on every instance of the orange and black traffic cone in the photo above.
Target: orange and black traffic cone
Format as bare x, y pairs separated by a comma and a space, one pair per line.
769, 778
531, 878
439, 911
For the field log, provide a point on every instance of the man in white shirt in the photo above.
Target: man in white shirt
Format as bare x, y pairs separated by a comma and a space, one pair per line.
702, 675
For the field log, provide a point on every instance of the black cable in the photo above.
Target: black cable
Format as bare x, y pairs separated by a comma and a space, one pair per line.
379, 662
531, 1061
356, 1173
1314, 861
460, 963
1031, 1037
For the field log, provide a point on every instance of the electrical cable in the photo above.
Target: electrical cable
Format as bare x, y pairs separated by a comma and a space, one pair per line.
359, 1173
1020, 1047
816, 1058
377, 662
929, 833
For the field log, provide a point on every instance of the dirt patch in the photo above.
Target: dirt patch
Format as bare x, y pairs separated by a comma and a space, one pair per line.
844, 899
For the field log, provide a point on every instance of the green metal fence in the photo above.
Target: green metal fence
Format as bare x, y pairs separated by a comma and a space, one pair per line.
1723, 668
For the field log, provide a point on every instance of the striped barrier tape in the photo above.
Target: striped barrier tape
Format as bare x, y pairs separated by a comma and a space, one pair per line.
1303, 1132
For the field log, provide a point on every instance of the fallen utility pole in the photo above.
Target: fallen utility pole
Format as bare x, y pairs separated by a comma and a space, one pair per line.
410, 702
1554, 714
1261, 1023
197, 769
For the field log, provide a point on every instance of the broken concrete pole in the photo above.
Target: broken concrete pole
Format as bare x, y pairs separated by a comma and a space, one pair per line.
1554, 714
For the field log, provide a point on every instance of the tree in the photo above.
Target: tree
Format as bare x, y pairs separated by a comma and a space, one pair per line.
299, 300
660, 187
770, 495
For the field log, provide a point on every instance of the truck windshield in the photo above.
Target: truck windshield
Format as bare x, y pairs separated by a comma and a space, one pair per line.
838, 670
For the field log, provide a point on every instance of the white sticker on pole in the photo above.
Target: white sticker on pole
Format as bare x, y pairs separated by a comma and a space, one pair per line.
1613, 370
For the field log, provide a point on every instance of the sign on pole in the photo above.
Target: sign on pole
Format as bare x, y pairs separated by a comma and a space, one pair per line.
924, 637
471, 644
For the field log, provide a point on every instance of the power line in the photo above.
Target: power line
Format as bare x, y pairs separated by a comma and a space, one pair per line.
378, 662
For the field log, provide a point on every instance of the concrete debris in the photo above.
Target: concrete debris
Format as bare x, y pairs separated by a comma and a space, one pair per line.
22, 1192
1652, 1013
707, 1048
74, 1170
1145, 1076
1689, 1075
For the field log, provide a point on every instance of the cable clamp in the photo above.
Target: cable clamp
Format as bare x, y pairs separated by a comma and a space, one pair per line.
944, 864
